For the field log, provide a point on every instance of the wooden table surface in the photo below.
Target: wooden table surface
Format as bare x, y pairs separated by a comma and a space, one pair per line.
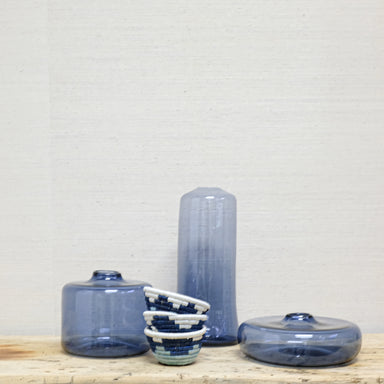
40, 359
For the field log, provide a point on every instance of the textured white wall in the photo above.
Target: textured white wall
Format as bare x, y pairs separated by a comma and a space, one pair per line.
111, 110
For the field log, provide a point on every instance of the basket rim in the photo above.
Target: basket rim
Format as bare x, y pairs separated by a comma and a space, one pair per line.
175, 335
179, 296
175, 316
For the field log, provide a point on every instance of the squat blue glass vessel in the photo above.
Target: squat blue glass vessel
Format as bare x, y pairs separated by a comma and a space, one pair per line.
102, 317
299, 339
207, 259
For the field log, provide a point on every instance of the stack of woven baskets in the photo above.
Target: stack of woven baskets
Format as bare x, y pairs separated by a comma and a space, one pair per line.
175, 326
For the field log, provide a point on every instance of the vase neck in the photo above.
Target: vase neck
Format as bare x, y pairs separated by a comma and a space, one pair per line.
299, 317
106, 275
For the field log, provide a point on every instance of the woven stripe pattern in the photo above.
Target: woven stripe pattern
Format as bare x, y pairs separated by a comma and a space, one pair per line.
169, 326
164, 303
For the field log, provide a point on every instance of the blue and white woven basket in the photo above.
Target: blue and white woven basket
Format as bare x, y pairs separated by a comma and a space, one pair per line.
160, 300
164, 321
178, 348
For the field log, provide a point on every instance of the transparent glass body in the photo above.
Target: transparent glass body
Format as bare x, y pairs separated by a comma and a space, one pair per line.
103, 317
207, 258
299, 339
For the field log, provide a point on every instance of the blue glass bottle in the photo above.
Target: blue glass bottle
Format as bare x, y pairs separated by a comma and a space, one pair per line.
207, 258
299, 339
103, 317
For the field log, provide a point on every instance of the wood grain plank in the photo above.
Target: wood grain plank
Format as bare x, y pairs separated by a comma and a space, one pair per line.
33, 359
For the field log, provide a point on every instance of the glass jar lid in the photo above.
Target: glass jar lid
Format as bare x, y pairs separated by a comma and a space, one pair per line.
300, 339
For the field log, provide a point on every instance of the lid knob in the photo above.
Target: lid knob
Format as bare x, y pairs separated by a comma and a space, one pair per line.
106, 275
299, 316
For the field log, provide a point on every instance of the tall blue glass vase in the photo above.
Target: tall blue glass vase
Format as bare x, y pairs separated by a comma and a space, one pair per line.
207, 258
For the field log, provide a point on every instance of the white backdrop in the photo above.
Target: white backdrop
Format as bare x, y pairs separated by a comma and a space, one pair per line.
111, 110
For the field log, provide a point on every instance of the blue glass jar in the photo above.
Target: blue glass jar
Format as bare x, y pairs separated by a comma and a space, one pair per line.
103, 317
207, 258
299, 339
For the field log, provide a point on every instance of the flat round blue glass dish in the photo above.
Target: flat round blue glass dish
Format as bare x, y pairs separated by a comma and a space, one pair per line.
299, 339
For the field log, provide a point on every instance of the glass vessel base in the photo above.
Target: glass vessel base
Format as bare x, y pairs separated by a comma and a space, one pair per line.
310, 356
111, 346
